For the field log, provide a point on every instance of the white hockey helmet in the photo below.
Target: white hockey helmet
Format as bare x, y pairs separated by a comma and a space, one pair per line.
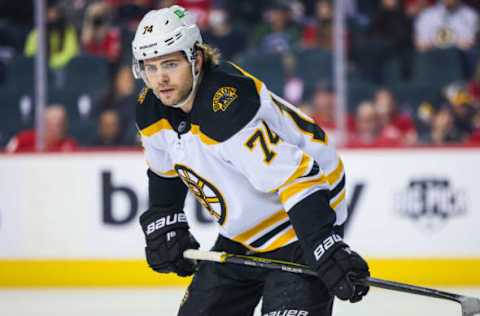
162, 32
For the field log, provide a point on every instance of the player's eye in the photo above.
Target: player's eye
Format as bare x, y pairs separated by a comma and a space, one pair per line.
150, 68
170, 65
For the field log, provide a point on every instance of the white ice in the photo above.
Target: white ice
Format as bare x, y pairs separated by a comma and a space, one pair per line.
165, 301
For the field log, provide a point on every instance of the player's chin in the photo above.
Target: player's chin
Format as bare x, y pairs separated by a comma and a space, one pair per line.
168, 100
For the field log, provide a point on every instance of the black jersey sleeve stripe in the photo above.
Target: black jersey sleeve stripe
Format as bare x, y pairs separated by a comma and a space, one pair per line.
308, 127
338, 188
313, 171
265, 238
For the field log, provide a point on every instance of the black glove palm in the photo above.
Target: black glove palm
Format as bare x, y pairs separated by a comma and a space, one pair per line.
167, 236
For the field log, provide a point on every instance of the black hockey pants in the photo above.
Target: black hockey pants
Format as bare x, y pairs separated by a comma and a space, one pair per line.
235, 290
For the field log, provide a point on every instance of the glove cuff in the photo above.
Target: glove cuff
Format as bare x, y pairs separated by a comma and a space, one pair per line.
156, 223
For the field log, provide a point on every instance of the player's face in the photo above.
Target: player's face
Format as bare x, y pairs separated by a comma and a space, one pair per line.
170, 76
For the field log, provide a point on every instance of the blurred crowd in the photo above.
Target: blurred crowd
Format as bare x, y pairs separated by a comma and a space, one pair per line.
413, 66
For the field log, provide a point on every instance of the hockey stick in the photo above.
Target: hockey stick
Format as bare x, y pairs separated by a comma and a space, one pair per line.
470, 305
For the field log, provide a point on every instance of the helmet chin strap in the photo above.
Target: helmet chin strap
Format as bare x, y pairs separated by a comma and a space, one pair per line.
192, 92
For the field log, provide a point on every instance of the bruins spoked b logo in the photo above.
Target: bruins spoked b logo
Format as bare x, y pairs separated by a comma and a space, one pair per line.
205, 192
223, 98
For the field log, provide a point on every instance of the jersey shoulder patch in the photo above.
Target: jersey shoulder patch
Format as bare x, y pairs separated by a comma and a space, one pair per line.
227, 101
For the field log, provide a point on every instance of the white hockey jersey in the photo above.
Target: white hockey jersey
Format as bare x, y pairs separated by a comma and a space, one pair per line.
247, 156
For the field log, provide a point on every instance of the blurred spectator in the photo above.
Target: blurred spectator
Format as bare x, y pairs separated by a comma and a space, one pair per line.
323, 109
449, 23
389, 38
244, 13
396, 127
56, 138
76, 10
443, 130
222, 35
461, 107
367, 126
99, 37
475, 138
165, 3
474, 86
278, 33
294, 88
319, 32
130, 12
414, 7
199, 9
122, 100
61, 38
109, 130
351, 7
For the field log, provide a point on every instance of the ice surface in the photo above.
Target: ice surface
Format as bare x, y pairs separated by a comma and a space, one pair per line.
164, 302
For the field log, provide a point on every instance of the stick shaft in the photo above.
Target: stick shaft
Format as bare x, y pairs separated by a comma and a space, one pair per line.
302, 269
408, 288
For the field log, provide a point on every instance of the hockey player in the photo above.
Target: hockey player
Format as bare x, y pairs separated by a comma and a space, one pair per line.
263, 170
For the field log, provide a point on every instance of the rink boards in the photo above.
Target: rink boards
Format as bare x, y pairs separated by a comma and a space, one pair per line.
72, 219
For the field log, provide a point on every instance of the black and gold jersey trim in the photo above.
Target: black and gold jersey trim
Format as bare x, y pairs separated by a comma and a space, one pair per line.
265, 238
222, 125
148, 113
306, 125
338, 188
224, 86
272, 233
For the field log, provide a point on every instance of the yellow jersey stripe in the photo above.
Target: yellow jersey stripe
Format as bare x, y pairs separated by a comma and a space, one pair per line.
170, 173
296, 188
301, 170
270, 221
340, 198
281, 241
336, 174
156, 127
258, 83
204, 138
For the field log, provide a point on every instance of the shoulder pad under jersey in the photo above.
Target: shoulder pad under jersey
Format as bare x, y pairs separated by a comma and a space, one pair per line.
226, 102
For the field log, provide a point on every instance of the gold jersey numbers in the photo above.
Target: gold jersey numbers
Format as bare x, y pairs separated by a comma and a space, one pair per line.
266, 138
223, 98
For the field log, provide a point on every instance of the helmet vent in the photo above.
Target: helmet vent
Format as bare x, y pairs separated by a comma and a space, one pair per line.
169, 41
178, 36
166, 22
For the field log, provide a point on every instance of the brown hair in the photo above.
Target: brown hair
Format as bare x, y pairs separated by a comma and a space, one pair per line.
211, 55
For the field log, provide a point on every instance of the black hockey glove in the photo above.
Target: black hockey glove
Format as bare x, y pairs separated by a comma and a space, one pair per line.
324, 250
167, 236
337, 265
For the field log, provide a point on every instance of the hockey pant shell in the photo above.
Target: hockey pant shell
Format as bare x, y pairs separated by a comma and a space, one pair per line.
235, 290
